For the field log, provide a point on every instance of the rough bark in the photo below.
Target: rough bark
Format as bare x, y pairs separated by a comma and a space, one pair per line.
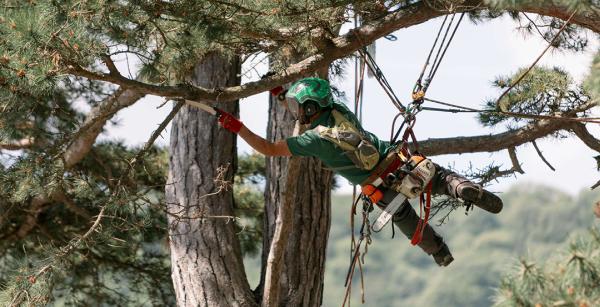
491, 142
301, 280
207, 268
511, 138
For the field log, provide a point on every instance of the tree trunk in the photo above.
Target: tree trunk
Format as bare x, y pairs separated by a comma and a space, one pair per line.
207, 268
301, 280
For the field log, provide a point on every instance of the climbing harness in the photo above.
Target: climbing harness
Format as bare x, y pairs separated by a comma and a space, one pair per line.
410, 180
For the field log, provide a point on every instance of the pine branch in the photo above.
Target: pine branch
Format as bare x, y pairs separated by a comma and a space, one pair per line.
95, 121
492, 142
80, 146
72, 206
584, 135
504, 140
595, 185
339, 47
17, 145
512, 152
112, 69
41, 200
34, 210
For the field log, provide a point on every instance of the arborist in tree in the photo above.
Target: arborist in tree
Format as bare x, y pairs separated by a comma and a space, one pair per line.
386, 172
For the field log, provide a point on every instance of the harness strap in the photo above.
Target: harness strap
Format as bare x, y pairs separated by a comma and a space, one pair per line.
425, 205
392, 162
409, 132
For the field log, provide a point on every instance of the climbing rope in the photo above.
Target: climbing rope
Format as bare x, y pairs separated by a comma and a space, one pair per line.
408, 115
380, 77
421, 85
420, 79
463, 109
365, 235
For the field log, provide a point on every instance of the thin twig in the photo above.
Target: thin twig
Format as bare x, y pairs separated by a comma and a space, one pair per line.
539, 152
512, 153
536, 27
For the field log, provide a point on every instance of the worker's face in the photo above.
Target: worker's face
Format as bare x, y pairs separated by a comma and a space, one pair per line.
302, 117
296, 110
299, 112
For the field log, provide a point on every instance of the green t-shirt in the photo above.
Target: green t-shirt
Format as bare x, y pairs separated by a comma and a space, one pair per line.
310, 144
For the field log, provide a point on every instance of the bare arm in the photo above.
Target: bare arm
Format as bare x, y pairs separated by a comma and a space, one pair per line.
263, 146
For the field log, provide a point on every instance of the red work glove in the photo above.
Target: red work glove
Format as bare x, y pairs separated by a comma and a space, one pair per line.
228, 121
276, 91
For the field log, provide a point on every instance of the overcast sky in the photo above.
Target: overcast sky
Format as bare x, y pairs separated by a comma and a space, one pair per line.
478, 54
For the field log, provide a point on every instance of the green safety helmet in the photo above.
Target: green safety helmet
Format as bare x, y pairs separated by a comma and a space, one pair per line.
310, 94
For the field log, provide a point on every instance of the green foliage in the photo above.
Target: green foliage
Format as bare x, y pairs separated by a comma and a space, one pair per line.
249, 201
46, 47
127, 263
570, 278
250, 169
41, 40
541, 91
572, 5
131, 246
592, 83
572, 38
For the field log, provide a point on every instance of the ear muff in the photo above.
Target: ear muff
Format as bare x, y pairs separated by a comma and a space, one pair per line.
310, 108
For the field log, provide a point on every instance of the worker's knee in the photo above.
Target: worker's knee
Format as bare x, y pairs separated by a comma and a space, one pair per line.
439, 184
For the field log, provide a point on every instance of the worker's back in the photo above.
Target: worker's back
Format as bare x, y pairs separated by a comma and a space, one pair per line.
311, 143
